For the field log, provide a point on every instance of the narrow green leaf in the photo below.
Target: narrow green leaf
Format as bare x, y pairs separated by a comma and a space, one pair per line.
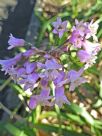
14, 130
82, 112
53, 128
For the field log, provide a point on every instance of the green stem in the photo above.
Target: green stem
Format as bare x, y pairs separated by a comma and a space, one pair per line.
5, 84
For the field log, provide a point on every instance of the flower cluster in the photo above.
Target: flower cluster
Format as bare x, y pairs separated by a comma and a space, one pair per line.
40, 69
80, 38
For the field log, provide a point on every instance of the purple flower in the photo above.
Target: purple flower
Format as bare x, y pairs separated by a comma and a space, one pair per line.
81, 28
49, 75
76, 39
74, 75
32, 78
29, 80
88, 55
29, 53
61, 79
30, 67
17, 73
77, 83
93, 30
75, 79
33, 102
8, 64
15, 42
80, 32
60, 97
43, 99
59, 27
40, 65
50, 71
91, 48
52, 64
44, 82
83, 56
53, 74
20, 71
44, 74
88, 59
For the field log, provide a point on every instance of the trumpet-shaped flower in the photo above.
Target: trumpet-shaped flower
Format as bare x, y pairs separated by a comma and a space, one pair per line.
75, 79
76, 39
91, 47
89, 54
93, 26
50, 64
29, 81
42, 99
60, 97
8, 64
15, 42
83, 56
81, 28
59, 27
30, 67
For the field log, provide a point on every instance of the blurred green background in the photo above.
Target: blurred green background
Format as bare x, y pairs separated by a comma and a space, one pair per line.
84, 116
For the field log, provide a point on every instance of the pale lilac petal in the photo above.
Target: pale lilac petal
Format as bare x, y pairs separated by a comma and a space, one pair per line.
72, 86
61, 33
40, 65
41, 99
54, 74
91, 47
59, 27
64, 24
15, 42
72, 75
32, 78
8, 64
52, 64
55, 31
27, 86
45, 93
83, 55
44, 83
76, 39
77, 83
93, 27
10, 47
47, 56
81, 28
18, 57
59, 78
29, 53
55, 24
30, 67
21, 71
60, 97
59, 21
44, 74
75, 78
63, 82
32, 103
